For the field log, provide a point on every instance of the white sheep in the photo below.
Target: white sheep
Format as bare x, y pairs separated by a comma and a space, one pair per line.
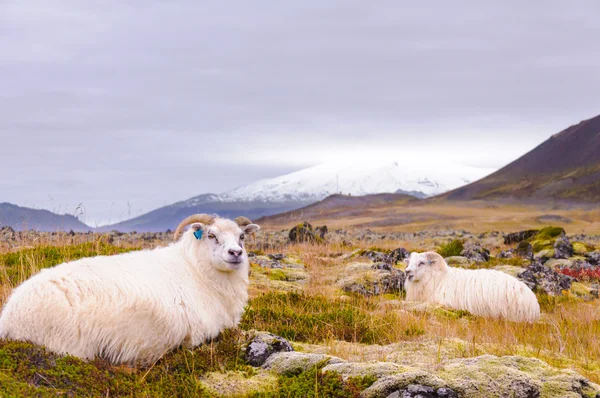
482, 292
132, 308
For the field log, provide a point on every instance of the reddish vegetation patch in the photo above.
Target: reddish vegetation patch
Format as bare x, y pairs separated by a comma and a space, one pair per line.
581, 274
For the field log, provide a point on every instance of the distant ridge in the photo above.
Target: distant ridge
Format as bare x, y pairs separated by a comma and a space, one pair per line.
340, 206
566, 167
24, 218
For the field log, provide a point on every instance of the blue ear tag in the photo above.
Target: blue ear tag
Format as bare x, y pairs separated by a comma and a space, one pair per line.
198, 234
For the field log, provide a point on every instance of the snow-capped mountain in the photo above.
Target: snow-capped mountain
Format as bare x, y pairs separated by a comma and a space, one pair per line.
359, 178
295, 190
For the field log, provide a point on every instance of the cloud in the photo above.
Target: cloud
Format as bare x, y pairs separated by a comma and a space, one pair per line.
154, 101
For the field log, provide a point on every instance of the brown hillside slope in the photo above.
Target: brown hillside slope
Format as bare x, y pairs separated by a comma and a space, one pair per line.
566, 167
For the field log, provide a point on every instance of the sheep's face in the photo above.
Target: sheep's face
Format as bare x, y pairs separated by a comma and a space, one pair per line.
225, 243
422, 266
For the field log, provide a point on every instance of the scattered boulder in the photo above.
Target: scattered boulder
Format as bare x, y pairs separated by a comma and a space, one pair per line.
446, 393
266, 262
524, 250
541, 278
7, 234
375, 256
593, 258
518, 237
277, 257
506, 254
398, 255
303, 232
262, 346
399, 383
321, 231
372, 279
420, 391
476, 253
563, 247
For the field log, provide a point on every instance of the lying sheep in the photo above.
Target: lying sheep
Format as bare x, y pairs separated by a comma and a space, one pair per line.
132, 308
481, 292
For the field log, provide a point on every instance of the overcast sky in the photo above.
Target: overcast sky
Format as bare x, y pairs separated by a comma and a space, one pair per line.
125, 106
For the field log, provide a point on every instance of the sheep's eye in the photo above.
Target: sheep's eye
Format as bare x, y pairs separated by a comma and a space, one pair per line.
242, 237
212, 236
420, 264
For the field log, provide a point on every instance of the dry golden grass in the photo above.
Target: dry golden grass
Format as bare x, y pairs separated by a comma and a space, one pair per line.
476, 216
565, 337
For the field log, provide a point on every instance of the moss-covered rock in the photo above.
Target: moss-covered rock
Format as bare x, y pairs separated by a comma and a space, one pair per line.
363, 369
581, 249
549, 233
293, 363
372, 279
387, 385
239, 383
513, 376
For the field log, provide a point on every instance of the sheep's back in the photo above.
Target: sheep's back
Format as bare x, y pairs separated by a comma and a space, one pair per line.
488, 293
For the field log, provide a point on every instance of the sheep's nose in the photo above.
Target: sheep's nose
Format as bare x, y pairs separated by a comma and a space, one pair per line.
235, 252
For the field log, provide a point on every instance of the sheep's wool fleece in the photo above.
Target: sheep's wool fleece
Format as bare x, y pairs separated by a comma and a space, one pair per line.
482, 292
129, 308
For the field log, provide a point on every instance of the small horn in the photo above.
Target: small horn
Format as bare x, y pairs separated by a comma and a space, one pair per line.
242, 221
203, 218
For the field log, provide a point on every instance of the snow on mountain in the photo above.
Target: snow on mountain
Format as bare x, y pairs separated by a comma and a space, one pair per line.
358, 178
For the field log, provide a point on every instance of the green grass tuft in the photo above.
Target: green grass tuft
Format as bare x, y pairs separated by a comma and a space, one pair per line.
453, 248
314, 319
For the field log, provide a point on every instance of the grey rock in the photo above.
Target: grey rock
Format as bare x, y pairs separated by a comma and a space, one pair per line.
518, 237
302, 233
400, 382
541, 278
266, 262
506, 254
321, 231
277, 257
380, 278
524, 389
594, 257
524, 250
375, 256
446, 393
398, 255
263, 345
7, 234
418, 391
563, 247
476, 253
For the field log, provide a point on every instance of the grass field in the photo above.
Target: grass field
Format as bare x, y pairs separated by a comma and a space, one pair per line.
475, 216
317, 317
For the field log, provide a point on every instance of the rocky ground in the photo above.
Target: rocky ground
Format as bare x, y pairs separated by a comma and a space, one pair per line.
327, 318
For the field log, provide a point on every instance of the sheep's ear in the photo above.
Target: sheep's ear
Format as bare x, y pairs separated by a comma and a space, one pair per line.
248, 229
198, 229
431, 258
